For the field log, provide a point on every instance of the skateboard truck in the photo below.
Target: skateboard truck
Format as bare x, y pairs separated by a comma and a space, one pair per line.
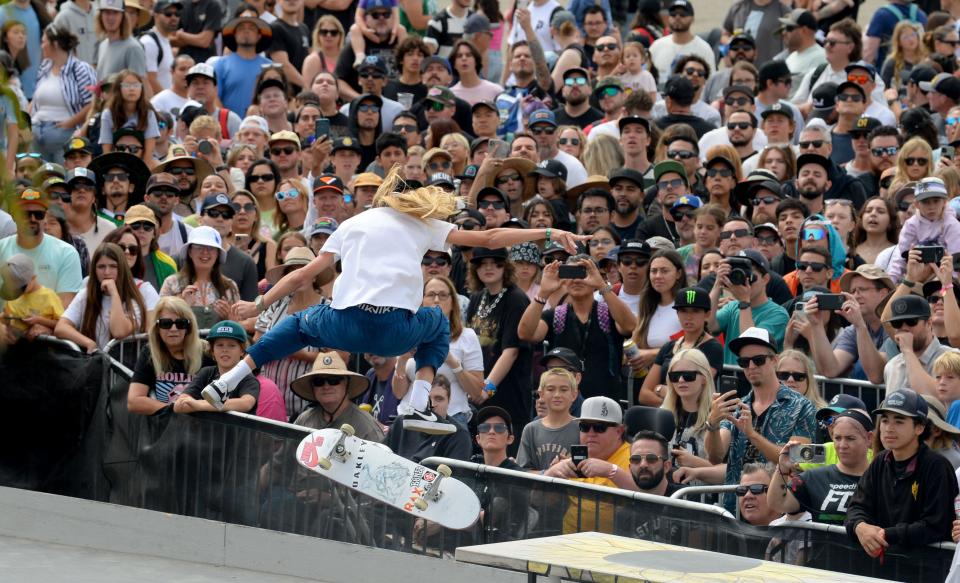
339, 450
433, 493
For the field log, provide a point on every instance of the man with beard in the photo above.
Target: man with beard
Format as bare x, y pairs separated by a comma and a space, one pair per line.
736, 98
635, 142
577, 110
679, 97
237, 72
908, 318
741, 129
162, 195
607, 56
378, 19
799, 29
696, 70
543, 125
742, 48
815, 149
790, 216
650, 464
175, 96
626, 186
760, 193
611, 97
156, 44
124, 176
813, 181
285, 152
680, 41
57, 262
437, 75
671, 182
525, 146
365, 121
885, 142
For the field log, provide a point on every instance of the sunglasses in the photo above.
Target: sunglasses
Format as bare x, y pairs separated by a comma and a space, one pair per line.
934, 299
630, 262
188, 170
911, 322
786, 375
217, 213
172, 14
438, 261
285, 194
129, 249
379, 14
586, 426
329, 32
571, 81
501, 180
168, 323
755, 489
694, 72
741, 101
142, 226
437, 106
128, 148
569, 141
679, 14
678, 215
721, 172
765, 200
34, 155
859, 79
676, 376
650, 458
888, 151
816, 266
915, 161
326, 380
248, 207
737, 233
903, 206
285, 150
610, 91
495, 204
540, 130
37, 215
741, 48
811, 144
165, 193
405, 129
758, 360
82, 187
499, 428
813, 235
854, 97
952, 121
739, 125
468, 225
788, 81
674, 183
681, 154
261, 178
58, 195
116, 177
768, 240
607, 47
369, 75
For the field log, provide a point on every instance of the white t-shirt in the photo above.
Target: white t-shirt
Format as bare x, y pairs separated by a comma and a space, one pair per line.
466, 349
74, 313
540, 22
380, 252
576, 173
168, 101
663, 325
173, 240
719, 137
97, 233
633, 301
664, 50
149, 293
485, 91
164, 69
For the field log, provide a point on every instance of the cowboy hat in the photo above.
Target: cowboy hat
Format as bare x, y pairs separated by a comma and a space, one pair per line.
329, 364
201, 167
596, 181
230, 30
135, 167
524, 167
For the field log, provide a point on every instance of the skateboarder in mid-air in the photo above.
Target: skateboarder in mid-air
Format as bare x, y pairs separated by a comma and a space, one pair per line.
377, 299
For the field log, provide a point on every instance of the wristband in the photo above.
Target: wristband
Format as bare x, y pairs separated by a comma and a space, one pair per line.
457, 370
606, 288
489, 387
711, 427
907, 282
539, 300
258, 303
548, 235
945, 289
221, 168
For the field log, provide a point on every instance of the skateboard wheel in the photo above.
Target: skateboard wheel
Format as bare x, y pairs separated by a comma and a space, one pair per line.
348, 429
324, 463
421, 504
444, 470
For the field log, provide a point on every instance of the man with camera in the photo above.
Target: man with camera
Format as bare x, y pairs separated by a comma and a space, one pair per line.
736, 235
754, 429
746, 277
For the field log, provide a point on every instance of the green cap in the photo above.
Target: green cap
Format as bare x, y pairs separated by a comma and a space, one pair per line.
227, 329
670, 166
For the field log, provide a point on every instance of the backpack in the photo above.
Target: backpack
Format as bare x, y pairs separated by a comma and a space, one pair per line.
156, 39
560, 314
912, 15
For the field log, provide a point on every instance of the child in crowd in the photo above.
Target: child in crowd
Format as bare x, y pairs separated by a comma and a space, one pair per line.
359, 28
637, 77
128, 107
946, 370
31, 308
930, 225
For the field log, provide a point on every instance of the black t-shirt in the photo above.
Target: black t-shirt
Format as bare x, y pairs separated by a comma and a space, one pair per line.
291, 39
581, 121
658, 226
345, 17
497, 331
166, 384
197, 17
248, 386
700, 126
630, 231
345, 70
417, 446
712, 349
419, 91
825, 493
600, 351
367, 154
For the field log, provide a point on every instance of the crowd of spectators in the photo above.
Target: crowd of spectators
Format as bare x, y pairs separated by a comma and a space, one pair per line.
782, 200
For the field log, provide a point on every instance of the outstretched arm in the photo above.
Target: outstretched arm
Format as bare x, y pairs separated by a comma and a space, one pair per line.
288, 284
496, 238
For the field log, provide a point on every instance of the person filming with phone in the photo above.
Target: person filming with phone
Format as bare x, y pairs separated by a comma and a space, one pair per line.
753, 429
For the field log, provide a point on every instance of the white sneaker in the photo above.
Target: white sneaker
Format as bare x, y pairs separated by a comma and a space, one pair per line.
428, 423
215, 393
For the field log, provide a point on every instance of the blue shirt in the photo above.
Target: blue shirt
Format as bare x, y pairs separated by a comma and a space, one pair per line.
953, 415
770, 316
236, 80
28, 78
885, 19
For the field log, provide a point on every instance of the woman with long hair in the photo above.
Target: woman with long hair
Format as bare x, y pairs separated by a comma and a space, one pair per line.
248, 235
241, 156
943, 40
263, 178
572, 140
464, 363
657, 321
602, 155
129, 243
291, 206
796, 371
109, 306
327, 42
692, 306
906, 50
779, 159
60, 102
915, 161
437, 130
688, 395
173, 355
538, 213
200, 282
877, 229
128, 107
13, 40
842, 215
603, 241
459, 149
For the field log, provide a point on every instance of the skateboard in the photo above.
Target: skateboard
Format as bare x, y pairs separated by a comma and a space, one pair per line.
374, 470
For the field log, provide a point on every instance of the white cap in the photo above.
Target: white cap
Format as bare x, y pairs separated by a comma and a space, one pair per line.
206, 237
256, 122
752, 335
201, 69
17, 272
115, 5
603, 409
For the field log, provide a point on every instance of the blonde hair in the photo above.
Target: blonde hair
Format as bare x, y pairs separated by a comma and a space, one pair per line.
558, 372
947, 362
193, 346
427, 202
672, 402
255, 225
331, 20
912, 145
280, 218
204, 122
898, 55
602, 155
813, 387
951, 179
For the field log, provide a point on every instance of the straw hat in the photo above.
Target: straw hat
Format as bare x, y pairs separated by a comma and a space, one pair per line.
298, 257
329, 364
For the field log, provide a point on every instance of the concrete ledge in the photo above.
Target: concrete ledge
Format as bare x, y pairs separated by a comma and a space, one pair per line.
109, 527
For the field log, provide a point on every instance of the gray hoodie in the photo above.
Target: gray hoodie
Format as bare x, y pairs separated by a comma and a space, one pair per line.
80, 23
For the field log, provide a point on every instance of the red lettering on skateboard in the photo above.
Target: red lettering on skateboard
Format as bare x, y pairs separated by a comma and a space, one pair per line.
309, 456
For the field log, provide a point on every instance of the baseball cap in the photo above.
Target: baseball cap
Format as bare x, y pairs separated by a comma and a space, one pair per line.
256, 122
798, 17
851, 85
323, 226
163, 180
870, 69
441, 179
909, 307
921, 73
367, 179
214, 200
441, 94
690, 200
607, 82
635, 247
752, 336
930, 187
373, 62
865, 125
766, 227
271, 82
602, 409
550, 169
115, 5
561, 16
285, 136
839, 404
493, 191
489, 105
681, 4
80, 173
757, 258
17, 272
634, 176
162, 5
492, 411
658, 243
476, 23
817, 159
201, 70
542, 116
77, 145
33, 196
435, 59
866, 271
228, 329
945, 84
743, 36
637, 119
824, 99
566, 355
904, 402
469, 173
692, 297
731, 89
346, 143
666, 166
680, 89
140, 213
328, 182
778, 108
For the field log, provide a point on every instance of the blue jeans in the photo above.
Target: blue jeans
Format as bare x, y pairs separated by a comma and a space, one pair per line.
49, 140
356, 330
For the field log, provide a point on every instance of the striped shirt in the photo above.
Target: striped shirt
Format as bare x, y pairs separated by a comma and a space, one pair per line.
75, 77
444, 30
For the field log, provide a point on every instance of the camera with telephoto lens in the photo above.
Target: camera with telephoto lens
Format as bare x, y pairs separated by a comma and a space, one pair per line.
808, 453
205, 147
741, 271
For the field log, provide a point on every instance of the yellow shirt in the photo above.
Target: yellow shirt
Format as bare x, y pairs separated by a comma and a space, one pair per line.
832, 457
620, 457
41, 302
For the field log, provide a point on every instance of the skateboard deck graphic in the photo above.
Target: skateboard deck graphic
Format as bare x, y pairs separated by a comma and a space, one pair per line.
372, 469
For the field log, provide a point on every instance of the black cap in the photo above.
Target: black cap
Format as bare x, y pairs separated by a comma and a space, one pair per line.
851, 85
190, 113
347, 143
271, 82
214, 200
635, 247
566, 355
680, 89
681, 4
907, 307
817, 159
637, 119
492, 411
481, 253
469, 173
904, 402
550, 169
757, 258
921, 73
824, 99
778, 108
473, 214
862, 418
77, 145
692, 297
373, 62
730, 89
743, 37
634, 176
772, 70
865, 125
494, 191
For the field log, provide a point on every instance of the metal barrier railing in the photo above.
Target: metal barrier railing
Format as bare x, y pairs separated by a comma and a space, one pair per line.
871, 394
